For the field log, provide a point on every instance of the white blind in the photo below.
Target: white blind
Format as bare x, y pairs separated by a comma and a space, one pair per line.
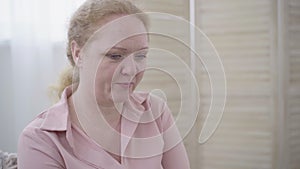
242, 34
293, 90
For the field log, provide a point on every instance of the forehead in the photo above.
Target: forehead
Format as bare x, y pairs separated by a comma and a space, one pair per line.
133, 43
126, 31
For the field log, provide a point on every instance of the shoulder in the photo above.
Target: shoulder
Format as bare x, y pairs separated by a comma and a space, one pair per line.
34, 133
37, 122
45, 127
34, 128
38, 137
36, 145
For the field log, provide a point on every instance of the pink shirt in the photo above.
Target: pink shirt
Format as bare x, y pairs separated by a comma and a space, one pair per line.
51, 141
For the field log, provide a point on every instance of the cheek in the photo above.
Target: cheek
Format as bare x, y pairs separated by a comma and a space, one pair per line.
105, 74
139, 77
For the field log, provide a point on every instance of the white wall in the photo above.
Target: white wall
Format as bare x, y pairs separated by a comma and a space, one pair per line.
7, 119
21, 100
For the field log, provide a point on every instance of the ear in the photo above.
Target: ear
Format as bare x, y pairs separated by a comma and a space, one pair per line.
76, 53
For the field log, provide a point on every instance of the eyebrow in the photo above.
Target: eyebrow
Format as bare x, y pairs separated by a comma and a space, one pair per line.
124, 49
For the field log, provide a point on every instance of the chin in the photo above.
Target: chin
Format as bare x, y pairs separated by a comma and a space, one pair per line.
120, 95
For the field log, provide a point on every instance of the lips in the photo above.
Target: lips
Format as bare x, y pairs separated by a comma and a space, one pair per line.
125, 84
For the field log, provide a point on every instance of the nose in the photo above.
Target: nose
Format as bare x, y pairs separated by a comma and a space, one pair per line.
129, 66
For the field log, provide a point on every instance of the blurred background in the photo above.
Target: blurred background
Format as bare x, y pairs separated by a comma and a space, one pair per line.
258, 42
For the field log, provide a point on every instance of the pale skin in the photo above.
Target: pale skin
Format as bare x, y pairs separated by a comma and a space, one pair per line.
118, 71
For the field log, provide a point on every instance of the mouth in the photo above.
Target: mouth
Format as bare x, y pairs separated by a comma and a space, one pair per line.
125, 84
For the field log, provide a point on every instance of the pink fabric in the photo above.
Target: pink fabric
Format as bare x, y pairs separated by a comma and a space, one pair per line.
51, 142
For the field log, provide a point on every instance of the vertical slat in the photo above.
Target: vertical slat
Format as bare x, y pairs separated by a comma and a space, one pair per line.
282, 73
293, 89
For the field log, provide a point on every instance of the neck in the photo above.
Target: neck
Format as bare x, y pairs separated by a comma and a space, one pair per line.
82, 107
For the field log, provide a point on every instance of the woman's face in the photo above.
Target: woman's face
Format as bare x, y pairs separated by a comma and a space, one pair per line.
116, 60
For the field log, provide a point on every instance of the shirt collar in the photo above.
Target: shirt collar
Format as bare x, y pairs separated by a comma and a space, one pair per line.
57, 116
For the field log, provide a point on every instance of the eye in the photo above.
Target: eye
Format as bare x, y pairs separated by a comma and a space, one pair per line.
115, 57
140, 56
